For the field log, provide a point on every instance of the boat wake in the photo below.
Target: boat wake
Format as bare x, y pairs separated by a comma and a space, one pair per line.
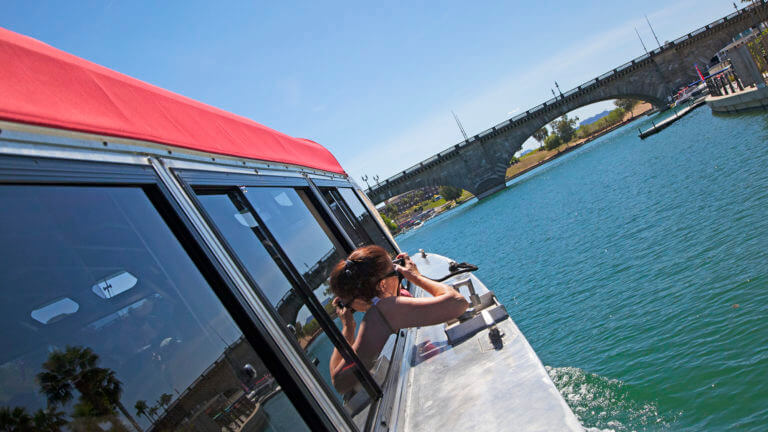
604, 405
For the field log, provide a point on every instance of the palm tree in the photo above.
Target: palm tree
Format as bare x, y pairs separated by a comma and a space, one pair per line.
153, 412
141, 410
164, 401
540, 135
76, 368
49, 420
15, 420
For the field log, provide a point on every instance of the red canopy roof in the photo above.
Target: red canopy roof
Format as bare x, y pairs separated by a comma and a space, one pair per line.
42, 85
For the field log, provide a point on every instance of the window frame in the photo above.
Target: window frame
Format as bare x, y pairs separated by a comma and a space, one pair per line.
41, 171
290, 272
192, 181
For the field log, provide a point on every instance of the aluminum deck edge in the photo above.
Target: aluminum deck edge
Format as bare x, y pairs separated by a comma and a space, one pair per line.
472, 386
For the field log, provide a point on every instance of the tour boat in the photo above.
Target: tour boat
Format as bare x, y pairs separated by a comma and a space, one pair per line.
165, 267
690, 91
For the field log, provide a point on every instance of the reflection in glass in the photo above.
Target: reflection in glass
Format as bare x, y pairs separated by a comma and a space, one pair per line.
113, 285
55, 310
262, 261
364, 218
345, 217
302, 234
129, 336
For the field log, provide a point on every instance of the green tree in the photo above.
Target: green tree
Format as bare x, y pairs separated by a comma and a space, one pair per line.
564, 127
142, 410
15, 420
390, 210
152, 411
76, 368
49, 420
540, 135
389, 223
450, 193
165, 400
18, 420
514, 160
552, 142
626, 104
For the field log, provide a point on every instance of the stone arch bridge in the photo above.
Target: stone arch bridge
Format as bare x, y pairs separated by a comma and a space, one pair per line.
479, 164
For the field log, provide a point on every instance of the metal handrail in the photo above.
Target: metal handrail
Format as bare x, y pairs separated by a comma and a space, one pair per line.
519, 116
605, 75
624, 66
701, 30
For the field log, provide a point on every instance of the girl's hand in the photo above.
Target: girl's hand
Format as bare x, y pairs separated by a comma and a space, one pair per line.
346, 314
409, 270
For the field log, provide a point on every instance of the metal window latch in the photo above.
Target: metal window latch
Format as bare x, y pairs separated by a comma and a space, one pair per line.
474, 299
477, 318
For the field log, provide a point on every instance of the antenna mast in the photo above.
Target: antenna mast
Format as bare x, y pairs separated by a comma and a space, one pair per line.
641, 40
654, 33
461, 128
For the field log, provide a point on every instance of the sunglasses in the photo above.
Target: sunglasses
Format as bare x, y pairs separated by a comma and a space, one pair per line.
400, 262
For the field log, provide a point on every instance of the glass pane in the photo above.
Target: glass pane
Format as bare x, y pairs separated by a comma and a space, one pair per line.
345, 217
228, 210
369, 225
306, 240
109, 325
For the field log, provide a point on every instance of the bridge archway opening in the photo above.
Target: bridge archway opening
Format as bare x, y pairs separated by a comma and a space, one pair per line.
573, 128
410, 209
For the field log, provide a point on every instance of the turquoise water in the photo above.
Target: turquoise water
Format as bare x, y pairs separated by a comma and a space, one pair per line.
638, 270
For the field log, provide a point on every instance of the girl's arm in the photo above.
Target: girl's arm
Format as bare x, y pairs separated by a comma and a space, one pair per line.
337, 363
445, 303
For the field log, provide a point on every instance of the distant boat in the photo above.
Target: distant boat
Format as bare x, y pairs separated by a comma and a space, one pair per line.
688, 92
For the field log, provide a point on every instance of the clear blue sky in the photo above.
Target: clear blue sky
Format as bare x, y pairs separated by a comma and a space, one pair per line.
373, 82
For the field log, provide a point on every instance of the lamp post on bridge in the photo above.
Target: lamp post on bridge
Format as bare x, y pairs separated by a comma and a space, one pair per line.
558, 89
365, 179
376, 179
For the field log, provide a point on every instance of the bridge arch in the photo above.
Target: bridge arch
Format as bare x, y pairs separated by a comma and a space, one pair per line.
554, 114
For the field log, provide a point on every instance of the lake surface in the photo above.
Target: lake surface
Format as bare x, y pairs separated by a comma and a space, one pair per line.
638, 270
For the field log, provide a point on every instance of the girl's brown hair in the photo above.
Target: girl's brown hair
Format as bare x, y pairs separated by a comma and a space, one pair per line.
358, 276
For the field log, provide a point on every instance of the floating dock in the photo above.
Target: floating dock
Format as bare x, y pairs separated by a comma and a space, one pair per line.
750, 98
657, 127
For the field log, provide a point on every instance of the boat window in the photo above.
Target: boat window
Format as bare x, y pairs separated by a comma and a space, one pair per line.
346, 218
363, 230
313, 251
109, 325
363, 218
302, 234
